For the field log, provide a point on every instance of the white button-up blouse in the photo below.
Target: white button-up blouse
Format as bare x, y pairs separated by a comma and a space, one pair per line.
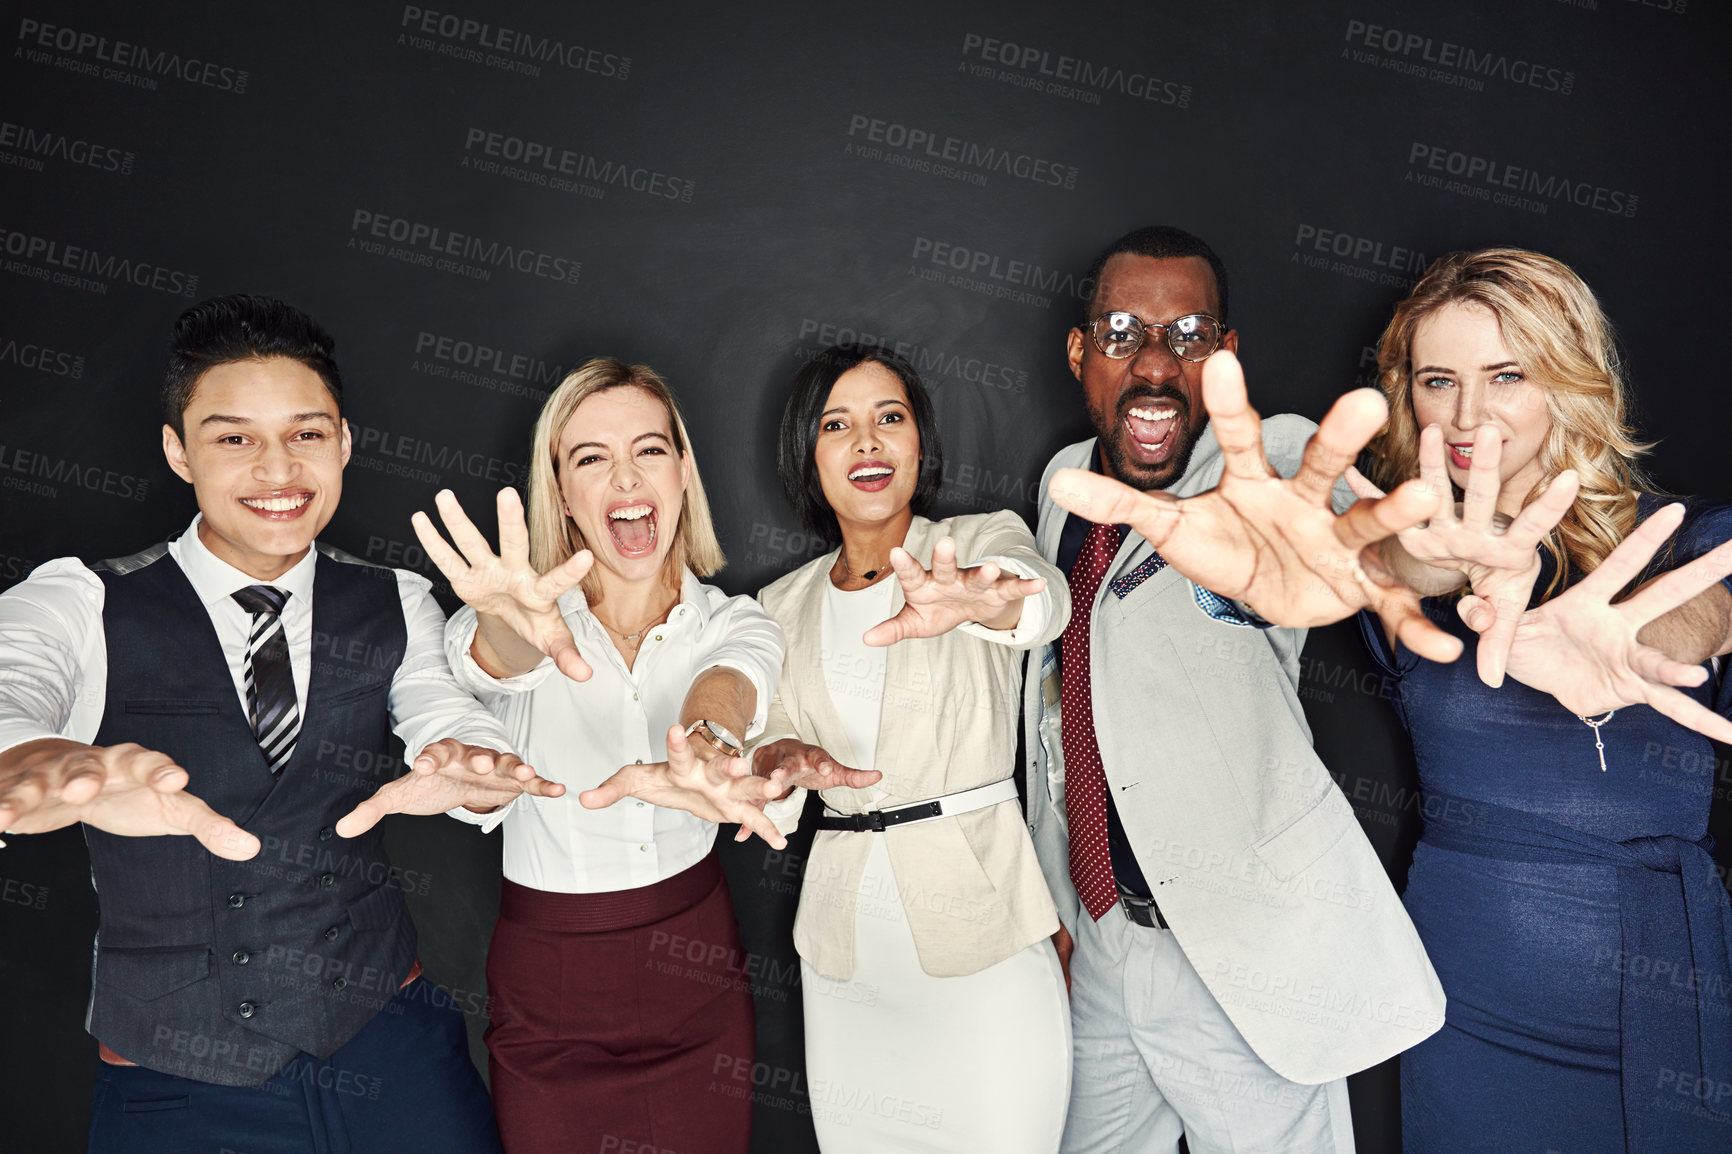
580, 733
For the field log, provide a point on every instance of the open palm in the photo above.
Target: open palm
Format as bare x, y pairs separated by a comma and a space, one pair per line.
505, 585
1500, 557
719, 789
1582, 648
1275, 544
939, 599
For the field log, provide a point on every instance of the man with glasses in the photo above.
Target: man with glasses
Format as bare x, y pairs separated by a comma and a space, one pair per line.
1238, 949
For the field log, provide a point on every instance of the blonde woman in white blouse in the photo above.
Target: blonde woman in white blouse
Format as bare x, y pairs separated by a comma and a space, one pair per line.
935, 1004
591, 636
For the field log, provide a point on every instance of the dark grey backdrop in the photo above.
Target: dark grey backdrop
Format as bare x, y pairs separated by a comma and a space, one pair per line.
475, 198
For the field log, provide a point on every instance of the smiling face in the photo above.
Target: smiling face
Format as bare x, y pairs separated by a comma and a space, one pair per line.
622, 481
1147, 409
264, 451
868, 448
1465, 376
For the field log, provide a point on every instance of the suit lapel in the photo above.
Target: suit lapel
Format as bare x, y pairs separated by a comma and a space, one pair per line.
906, 658
813, 708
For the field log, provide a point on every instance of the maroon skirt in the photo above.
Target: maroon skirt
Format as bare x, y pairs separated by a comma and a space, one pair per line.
619, 1019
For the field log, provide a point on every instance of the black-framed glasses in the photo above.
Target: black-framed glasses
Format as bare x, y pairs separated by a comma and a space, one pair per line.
1120, 335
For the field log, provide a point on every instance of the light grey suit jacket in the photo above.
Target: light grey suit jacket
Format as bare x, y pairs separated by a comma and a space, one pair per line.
1259, 866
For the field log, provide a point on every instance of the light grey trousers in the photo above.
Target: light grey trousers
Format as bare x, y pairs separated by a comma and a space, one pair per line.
1156, 1057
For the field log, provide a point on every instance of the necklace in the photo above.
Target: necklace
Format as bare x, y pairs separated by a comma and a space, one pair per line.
631, 637
847, 572
1594, 724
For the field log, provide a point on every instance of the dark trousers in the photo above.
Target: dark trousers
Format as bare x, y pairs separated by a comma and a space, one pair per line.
404, 1083
621, 1022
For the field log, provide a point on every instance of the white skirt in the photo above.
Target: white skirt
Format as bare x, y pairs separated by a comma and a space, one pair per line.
898, 1060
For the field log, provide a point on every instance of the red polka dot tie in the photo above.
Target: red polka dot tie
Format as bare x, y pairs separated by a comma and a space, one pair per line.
1085, 782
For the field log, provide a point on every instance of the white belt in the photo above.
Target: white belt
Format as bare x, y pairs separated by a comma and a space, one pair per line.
951, 804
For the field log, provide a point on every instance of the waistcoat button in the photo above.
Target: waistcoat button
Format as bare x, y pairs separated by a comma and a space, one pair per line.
327, 833
242, 957
331, 934
327, 880
236, 901
246, 1009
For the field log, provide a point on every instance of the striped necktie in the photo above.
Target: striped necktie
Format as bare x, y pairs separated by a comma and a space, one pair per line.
270, 681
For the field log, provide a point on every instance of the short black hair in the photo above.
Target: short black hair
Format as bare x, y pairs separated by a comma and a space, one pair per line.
242, 327
1160, 242
795, 446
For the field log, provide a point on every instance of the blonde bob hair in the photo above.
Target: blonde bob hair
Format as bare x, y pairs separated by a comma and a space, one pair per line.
1564, 344
554, 537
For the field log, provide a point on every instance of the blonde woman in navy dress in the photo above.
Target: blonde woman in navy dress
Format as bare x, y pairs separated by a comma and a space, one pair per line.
1563, 886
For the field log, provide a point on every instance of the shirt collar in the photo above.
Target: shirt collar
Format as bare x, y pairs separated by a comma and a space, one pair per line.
216, 581
692, 604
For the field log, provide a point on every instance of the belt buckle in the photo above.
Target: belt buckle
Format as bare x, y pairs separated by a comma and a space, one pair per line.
874, 821
1140, 910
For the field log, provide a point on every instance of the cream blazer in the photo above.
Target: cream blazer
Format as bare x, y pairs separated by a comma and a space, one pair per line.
971, 884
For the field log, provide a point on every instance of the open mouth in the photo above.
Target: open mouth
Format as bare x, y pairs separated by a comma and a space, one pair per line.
279, 506
633, 528
871, 476
1461, 455
1150, 431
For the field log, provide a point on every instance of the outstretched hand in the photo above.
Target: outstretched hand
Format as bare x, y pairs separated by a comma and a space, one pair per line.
1582, 649
1272, 543
719, 789
505, 585
939, 599
793, 764
448, 774
1499, 557
122, 789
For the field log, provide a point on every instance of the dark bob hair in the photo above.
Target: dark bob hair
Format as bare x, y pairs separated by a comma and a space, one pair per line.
242, 327
795, 447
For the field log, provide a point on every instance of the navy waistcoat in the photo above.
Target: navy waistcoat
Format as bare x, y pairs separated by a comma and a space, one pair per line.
223, 971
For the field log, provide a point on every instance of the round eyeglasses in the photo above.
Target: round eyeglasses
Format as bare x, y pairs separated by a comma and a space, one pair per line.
1120, 335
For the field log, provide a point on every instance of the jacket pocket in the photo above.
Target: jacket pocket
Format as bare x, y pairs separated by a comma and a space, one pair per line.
152, 972
1297, 845
351, 695
172, 707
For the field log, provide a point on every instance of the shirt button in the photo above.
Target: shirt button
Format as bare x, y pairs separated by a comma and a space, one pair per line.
640, 805
327, 833
242, 957
236, 901
639, 761
634, 697
643, 848
327, 880
340, 984
657, 637
331, 934
246, 1009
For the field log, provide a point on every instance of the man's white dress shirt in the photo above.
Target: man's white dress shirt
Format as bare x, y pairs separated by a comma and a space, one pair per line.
54, 653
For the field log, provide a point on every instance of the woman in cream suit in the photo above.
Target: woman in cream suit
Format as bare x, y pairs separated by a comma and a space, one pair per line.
936, 1013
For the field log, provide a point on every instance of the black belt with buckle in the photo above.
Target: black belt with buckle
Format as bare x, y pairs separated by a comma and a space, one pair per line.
881, 819
1142, 911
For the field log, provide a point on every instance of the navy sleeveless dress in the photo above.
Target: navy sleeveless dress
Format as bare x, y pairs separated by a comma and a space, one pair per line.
1574, 916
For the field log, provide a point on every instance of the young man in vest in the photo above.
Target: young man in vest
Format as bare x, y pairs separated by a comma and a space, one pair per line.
239, 685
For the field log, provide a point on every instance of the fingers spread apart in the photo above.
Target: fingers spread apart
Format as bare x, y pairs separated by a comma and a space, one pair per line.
1346, 429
